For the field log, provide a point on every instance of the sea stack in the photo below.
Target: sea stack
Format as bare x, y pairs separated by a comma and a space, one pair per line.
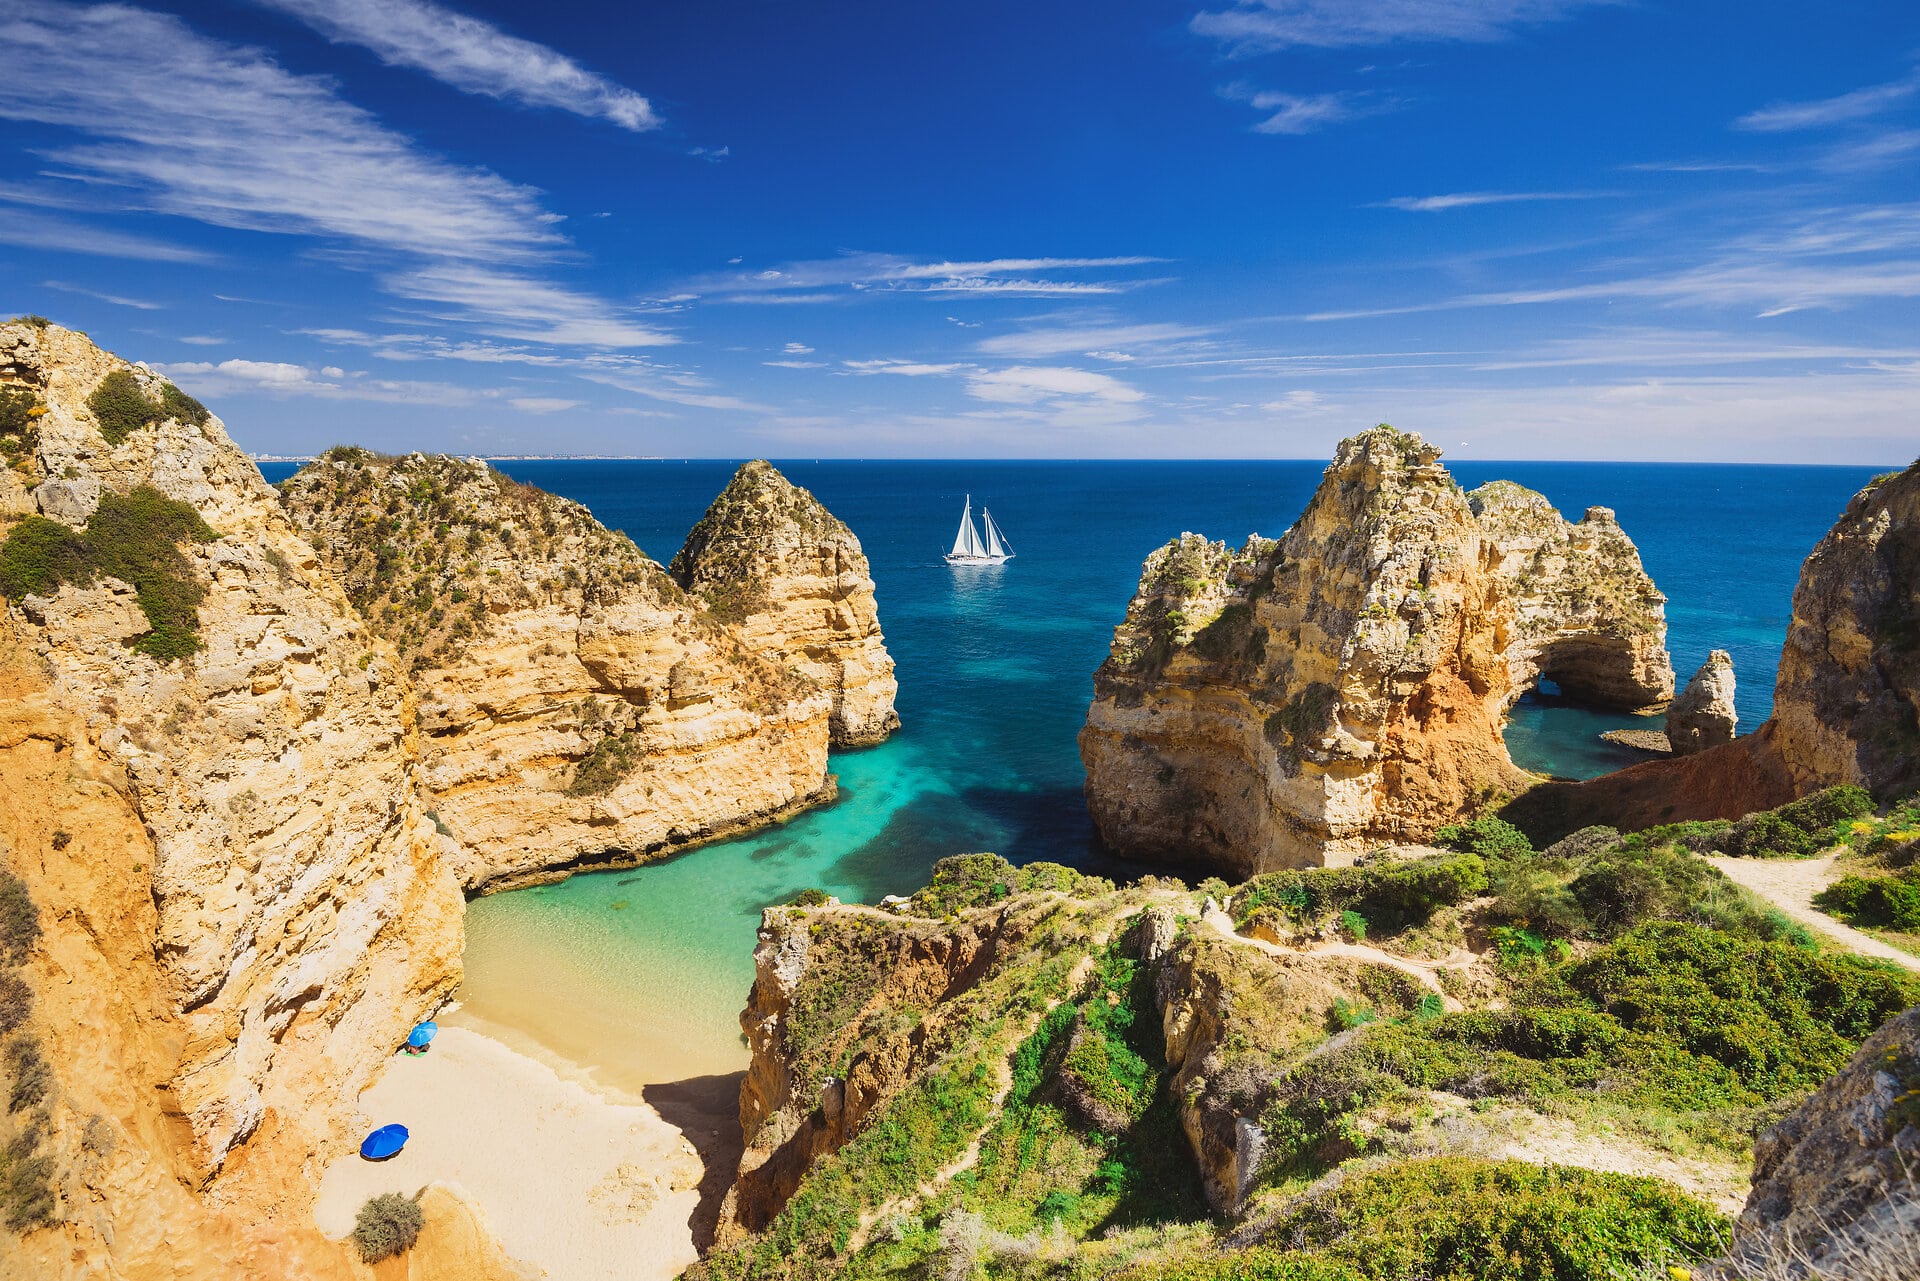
575, 706
1299, 701
1703, 716
213, 802
770, 561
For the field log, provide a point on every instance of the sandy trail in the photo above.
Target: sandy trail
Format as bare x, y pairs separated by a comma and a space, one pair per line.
1425, 972
1790, 884
576, 1182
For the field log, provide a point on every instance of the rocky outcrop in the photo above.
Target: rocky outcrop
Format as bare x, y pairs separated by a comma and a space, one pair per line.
1589, 618
1300, 701
576, 707
770, 560
1835, 1190
1846, 703
246, 904
1704, 716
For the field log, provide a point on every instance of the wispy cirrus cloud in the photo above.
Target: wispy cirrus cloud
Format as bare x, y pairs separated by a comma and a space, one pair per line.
1260, 26
854, 275
1102, 341
327, 382
1471, 199
473, 56
32, 230
1844, 108
188, 126
1032, 384
1298, 113
117, 300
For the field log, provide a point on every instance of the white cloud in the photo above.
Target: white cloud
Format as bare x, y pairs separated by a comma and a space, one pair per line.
796, 364
543, 404
1857, 105
60, 235
905, 368
115, 299
1107, 342
202, 340
277, 378
797, 349
855, 274
1469, 199
1257, 26
1295, 402
1030, 384
1295, 113
191, 127
472, 56
1888, 148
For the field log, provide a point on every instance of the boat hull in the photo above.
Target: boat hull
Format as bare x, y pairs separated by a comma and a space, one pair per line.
978, 560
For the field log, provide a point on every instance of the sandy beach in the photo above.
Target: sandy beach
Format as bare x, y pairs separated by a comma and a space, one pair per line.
575, 1179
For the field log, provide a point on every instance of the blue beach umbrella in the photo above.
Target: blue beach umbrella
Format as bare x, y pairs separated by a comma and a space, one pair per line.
383, 1142
422, 1034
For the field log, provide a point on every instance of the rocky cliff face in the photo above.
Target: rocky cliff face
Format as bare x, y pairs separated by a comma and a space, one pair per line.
1301, 700
1589, 618
1836, 1186
773, 562
1704, 716
1846, 703
247, 904
575, 705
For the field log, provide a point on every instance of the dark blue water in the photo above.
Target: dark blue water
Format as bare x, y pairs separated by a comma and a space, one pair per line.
995, 668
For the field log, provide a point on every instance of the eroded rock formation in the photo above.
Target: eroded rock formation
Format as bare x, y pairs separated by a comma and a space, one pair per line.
575, 705
246, 903
1300, 700
1704, 716
778, 566
1836, 1185
1846, 703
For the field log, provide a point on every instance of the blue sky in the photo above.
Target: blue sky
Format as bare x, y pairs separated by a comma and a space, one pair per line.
1525, 228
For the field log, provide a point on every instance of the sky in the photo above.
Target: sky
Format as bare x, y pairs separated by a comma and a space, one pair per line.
1581, 229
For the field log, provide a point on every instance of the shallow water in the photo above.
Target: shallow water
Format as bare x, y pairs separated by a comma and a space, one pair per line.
641, 973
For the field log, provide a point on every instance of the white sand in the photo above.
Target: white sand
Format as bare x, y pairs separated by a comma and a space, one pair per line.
573, 1181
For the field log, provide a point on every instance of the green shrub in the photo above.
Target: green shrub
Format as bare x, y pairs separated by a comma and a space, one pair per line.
121, 407
1458, 1219
1891, 902
810, 898
1388, 898
604, 766
388, 1224
19, 918
32, 1078
37, 322
1493, 839
16, 1002
176, 404
134, 537
1353, 926
1799, 829
1256, 1264
26, 1183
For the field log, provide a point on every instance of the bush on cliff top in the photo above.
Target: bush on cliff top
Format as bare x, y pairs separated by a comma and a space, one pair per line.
1889, 902
387, 1225
134, 537
121, 407
1390, 898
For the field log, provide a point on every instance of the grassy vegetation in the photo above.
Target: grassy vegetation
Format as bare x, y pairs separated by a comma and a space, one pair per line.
27, 1176
134, 537
20, 414
1881, 891
603, 768
121, 406
1690, 1023
1385, 899
387, 1225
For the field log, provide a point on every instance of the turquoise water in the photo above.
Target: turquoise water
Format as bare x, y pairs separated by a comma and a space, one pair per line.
641, 973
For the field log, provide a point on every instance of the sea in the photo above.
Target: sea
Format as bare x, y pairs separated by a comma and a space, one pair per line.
638, 976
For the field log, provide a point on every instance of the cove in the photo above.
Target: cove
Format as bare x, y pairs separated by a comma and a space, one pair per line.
639, 974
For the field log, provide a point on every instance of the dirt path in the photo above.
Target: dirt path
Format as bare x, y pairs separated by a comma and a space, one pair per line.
1425, 972
1790, 884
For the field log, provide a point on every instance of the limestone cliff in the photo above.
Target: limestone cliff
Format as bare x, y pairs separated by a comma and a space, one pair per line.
213, 795
1846, 703
1836, 1185
768, 558
1704, 716
575, 705
1301, 700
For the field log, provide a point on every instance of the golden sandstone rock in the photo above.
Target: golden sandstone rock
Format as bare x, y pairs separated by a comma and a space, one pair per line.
1299, 701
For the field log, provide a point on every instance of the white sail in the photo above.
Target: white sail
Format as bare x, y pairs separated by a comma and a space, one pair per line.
967, 541
994, 546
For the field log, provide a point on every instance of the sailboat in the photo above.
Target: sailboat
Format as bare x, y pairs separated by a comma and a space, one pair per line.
968, 549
